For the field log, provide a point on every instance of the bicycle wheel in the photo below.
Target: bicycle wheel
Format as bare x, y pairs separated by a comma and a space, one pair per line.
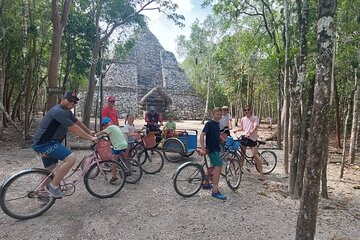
233, 171
269, 161
135, 150
173, 150
188, 179
22, 197
133, 170
102, 185
151, 160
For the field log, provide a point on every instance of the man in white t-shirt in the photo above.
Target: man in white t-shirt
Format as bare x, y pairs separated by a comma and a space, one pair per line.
249, 125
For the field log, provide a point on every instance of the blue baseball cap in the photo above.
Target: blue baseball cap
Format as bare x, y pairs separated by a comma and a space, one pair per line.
71, 95
105, 121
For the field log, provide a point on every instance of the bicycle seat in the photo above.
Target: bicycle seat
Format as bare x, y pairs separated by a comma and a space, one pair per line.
261, 142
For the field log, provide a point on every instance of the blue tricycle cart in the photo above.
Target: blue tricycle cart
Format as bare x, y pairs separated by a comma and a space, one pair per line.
183, 145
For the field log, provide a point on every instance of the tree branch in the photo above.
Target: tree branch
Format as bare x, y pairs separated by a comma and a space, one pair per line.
7, 116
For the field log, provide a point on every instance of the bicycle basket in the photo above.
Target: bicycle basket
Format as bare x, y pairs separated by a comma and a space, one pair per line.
149, 140
232, 144
103, 148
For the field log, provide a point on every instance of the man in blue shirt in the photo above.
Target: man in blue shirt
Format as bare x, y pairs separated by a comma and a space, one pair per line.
49, 136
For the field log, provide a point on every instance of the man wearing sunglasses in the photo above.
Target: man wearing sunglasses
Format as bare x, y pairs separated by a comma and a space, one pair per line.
249, 125
49, 136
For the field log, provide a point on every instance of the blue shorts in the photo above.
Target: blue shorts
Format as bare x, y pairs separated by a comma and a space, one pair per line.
215, 159
117, 152
51, 152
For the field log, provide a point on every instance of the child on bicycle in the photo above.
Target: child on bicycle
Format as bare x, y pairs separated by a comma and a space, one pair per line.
169, 127
118, 141
211, 136
130, 131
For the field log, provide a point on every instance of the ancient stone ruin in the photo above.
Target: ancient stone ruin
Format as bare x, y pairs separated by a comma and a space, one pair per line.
151, 76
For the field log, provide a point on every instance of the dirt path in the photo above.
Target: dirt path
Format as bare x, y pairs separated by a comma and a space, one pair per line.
151, 209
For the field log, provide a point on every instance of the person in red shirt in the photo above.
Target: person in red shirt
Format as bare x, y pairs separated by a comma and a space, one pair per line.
110, 110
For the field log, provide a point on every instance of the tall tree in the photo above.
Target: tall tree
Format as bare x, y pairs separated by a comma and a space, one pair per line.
59, 21
286, 85
296, 164
306, 223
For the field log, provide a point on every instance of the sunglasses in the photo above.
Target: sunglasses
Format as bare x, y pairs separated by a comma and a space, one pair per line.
246, 110
73, 101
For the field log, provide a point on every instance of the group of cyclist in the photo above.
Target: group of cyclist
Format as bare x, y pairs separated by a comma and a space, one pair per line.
59, 119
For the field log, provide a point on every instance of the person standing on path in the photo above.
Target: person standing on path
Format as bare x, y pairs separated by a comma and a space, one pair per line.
211, 136
249, 125
110, 110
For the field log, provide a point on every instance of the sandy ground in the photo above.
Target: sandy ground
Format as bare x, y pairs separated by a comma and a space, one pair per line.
151, 209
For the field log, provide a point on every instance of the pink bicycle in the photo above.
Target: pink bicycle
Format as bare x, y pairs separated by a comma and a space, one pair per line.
23, 196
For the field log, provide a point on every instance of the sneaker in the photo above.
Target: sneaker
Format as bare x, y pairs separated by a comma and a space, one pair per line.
55, 192
218, 195
207, 186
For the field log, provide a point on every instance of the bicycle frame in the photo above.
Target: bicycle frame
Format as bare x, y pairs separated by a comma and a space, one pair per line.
92, 159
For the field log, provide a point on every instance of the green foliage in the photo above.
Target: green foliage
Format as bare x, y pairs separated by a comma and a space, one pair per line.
121, 50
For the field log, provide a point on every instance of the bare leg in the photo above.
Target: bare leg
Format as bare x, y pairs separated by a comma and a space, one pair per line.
243, 150
216, 178
63, 169
115, 158
255, 153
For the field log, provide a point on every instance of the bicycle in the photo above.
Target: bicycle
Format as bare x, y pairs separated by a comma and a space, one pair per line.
23, 195
190, 176
267, 157
133, 169
151, 159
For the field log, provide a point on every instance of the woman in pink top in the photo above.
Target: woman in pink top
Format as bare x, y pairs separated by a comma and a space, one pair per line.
249, 125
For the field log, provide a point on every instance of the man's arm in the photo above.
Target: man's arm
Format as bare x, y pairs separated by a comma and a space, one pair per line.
202, 143
254, 129
81, 133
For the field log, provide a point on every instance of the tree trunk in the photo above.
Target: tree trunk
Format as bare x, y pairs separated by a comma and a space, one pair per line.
286, 87
305, 132
207, 102
343, 159
29, 80
298, 120
7, 116
337, 117
2, 84
59, 23
355, 119
92, 81
306, 223
324, 190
